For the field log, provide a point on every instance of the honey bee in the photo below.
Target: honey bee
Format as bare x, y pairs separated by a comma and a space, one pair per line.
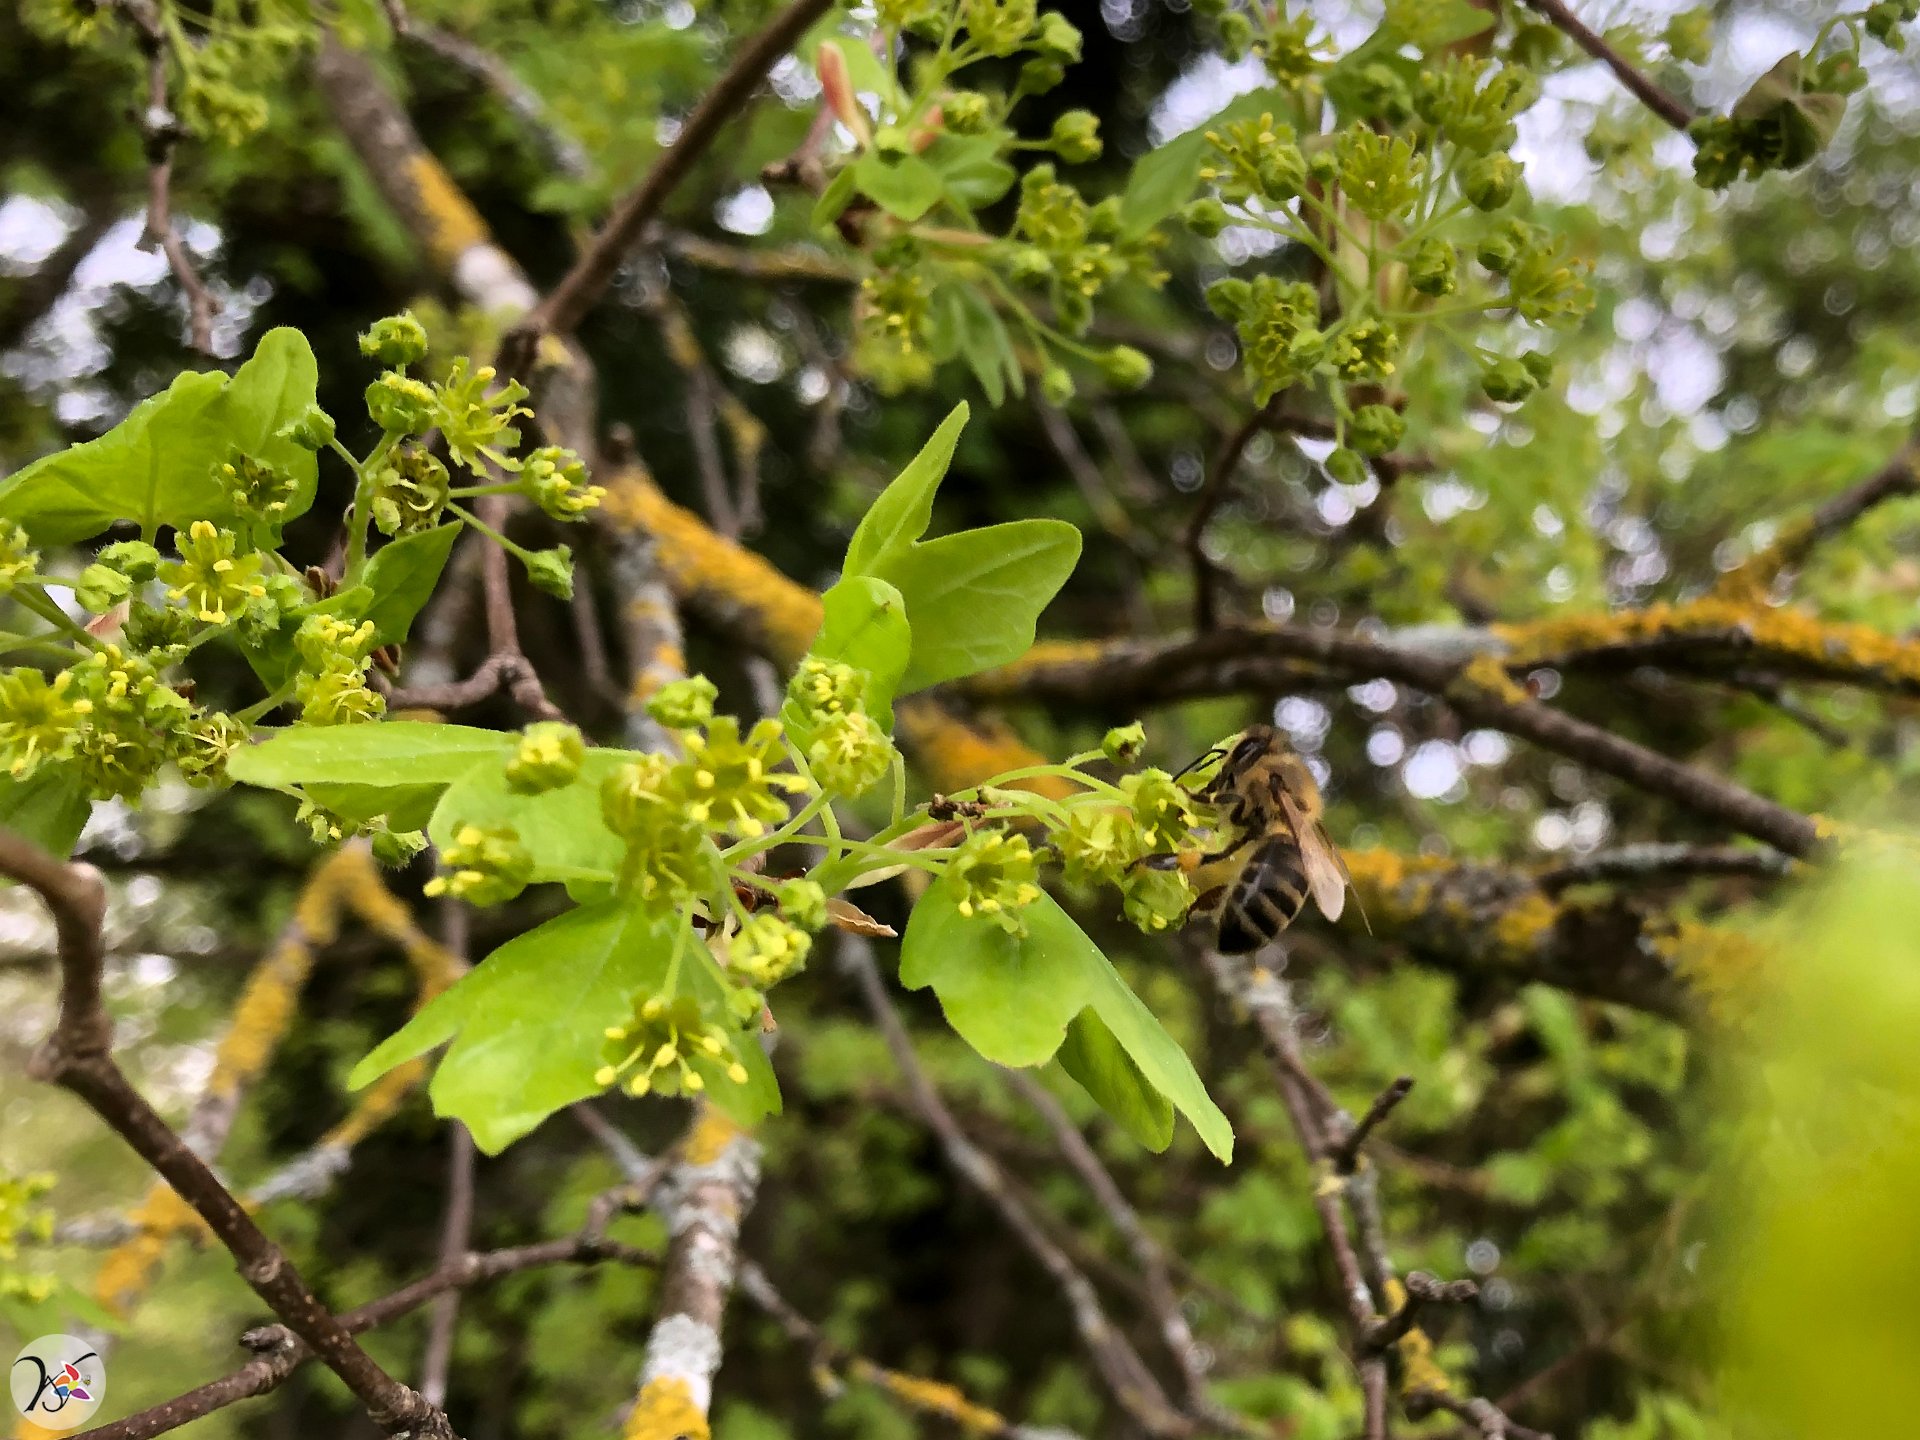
1275, 855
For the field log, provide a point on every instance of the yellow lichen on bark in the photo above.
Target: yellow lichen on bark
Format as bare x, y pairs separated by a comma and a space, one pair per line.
452, 225
1725, 967
933, 1396
712, 573
710, 1135
665, 1410
127, 1269
1782, 631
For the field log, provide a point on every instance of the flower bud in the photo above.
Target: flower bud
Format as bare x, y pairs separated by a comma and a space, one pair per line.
1056, 385
1076, 137
1057, 39
802, 902
1123, 743
967, 112
1434, 268
1206, 217
396, 341
399, 405
684, 704
1376, 429
1125, 368
548, 756
551, 570
1508, 381
1230, 299
1346, 466
1490, 181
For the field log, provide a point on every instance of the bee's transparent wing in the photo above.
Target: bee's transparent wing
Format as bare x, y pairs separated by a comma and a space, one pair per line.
1326, 876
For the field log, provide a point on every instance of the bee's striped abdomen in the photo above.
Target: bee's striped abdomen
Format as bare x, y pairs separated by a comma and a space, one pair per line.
1264, 897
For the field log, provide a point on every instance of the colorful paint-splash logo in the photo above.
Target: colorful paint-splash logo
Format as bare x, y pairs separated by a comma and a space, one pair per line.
57, 1382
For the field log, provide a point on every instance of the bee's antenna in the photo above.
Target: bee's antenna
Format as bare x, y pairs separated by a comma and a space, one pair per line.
1192, 765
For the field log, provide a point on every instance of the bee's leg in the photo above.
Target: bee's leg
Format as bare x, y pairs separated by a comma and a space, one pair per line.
1185, 859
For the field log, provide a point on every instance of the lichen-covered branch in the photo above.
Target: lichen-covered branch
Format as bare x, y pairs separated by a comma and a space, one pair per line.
1133, 674
702, 1197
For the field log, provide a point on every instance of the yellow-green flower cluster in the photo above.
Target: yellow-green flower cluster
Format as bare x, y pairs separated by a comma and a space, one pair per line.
731, 782
332, 684
1155, 900
556, 480
548, 756
684, 704
478, 422
39, 719
216, 583
1381, 175
18, 559
653, 1053
767, 949
133, 723
256, 490
1256, 159
485, 865
892, 323
997, 876
848, 751
669, 858
410, 490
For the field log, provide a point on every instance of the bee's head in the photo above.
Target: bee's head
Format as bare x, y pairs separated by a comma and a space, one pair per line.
1254, 742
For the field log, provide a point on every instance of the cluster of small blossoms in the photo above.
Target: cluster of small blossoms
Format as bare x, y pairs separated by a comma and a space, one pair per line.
24, 1220
112, 722
655, 1051
1389, 205
485, 865
331, 686
996, 875
847, 750
409, 489
1103, 842
548, 756
904, 314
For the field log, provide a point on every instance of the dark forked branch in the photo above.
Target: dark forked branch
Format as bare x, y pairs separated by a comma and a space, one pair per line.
78, 1057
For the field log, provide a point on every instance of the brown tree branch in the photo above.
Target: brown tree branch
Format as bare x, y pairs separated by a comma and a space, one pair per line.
1644, 88
159, 134
523, 102
567, 304
1155, 673
77, 1056
279, 1352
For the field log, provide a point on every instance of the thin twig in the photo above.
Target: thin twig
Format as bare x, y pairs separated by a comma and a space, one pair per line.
278, 1353
1226, 461
557, 148
1126, 1376
1649, 93
1346, 1154
455, 1232
1156, 1277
